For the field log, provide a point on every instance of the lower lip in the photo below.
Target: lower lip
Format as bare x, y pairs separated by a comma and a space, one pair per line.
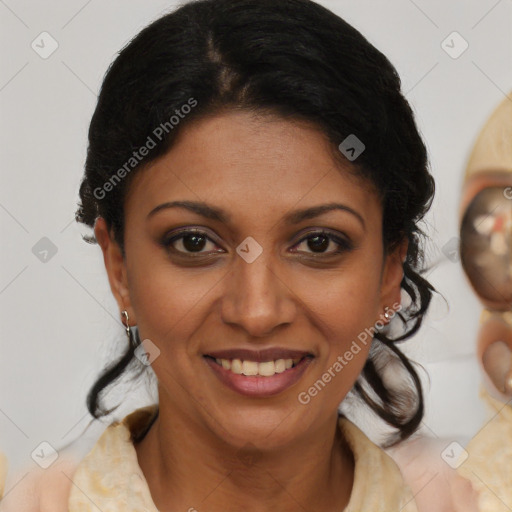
258, 386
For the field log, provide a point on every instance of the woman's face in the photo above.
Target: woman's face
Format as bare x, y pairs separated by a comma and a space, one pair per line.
268, 275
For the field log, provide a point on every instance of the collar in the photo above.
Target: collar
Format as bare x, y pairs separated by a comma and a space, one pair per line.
110, 478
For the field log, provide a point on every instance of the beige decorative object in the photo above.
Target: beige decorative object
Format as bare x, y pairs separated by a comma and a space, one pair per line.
489, 465
486, 255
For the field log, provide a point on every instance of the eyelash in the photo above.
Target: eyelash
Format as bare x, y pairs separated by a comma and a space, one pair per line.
344, 245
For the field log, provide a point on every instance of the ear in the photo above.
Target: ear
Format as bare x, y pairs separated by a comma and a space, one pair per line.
392, 275
115, 266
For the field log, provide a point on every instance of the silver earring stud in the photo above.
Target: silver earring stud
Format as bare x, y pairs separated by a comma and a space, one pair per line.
125, 322
131, 338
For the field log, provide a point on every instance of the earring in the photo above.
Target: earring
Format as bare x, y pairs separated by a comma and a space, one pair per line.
129, 334
387, 316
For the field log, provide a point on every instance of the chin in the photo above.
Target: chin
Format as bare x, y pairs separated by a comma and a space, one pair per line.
263, 427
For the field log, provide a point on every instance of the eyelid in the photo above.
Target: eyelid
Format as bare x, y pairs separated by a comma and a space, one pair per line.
319, 230
179, 233
343, 242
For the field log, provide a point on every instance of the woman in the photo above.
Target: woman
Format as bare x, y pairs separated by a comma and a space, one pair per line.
255, 179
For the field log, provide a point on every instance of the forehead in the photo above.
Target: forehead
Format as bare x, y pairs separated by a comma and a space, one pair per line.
251, 163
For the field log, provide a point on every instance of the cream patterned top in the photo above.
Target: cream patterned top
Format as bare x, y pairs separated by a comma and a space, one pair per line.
110, 478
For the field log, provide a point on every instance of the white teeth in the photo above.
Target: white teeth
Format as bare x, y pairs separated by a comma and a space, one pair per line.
236, 366
280, 365
251, 368
267, 369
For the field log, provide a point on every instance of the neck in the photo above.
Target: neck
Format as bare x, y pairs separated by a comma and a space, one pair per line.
187, 468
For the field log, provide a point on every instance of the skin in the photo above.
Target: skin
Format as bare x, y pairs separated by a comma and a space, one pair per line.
212, 448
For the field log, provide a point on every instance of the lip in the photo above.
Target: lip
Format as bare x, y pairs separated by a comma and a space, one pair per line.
257, 386
259, 356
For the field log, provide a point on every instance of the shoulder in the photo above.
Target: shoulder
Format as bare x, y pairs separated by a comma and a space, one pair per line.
3, 473
31, 488
377, 478
35, 489
436, 485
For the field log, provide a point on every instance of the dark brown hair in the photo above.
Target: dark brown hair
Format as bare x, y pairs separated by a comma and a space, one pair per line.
294, 59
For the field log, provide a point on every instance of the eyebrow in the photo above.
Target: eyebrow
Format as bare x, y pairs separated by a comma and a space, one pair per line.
295, 217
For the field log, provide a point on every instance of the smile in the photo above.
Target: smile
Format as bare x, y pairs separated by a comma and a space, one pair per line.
263, 378
263, 369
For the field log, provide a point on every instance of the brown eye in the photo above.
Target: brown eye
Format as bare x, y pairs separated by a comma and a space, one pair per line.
193, 242
319, 243
188, 242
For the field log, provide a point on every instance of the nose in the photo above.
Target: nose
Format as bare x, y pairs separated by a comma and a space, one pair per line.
257, 298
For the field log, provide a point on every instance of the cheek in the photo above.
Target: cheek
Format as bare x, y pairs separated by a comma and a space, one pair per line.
346, 306
168, 301
171, 303
346, 302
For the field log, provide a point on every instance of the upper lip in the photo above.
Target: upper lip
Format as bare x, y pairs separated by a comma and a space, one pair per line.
268, 354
